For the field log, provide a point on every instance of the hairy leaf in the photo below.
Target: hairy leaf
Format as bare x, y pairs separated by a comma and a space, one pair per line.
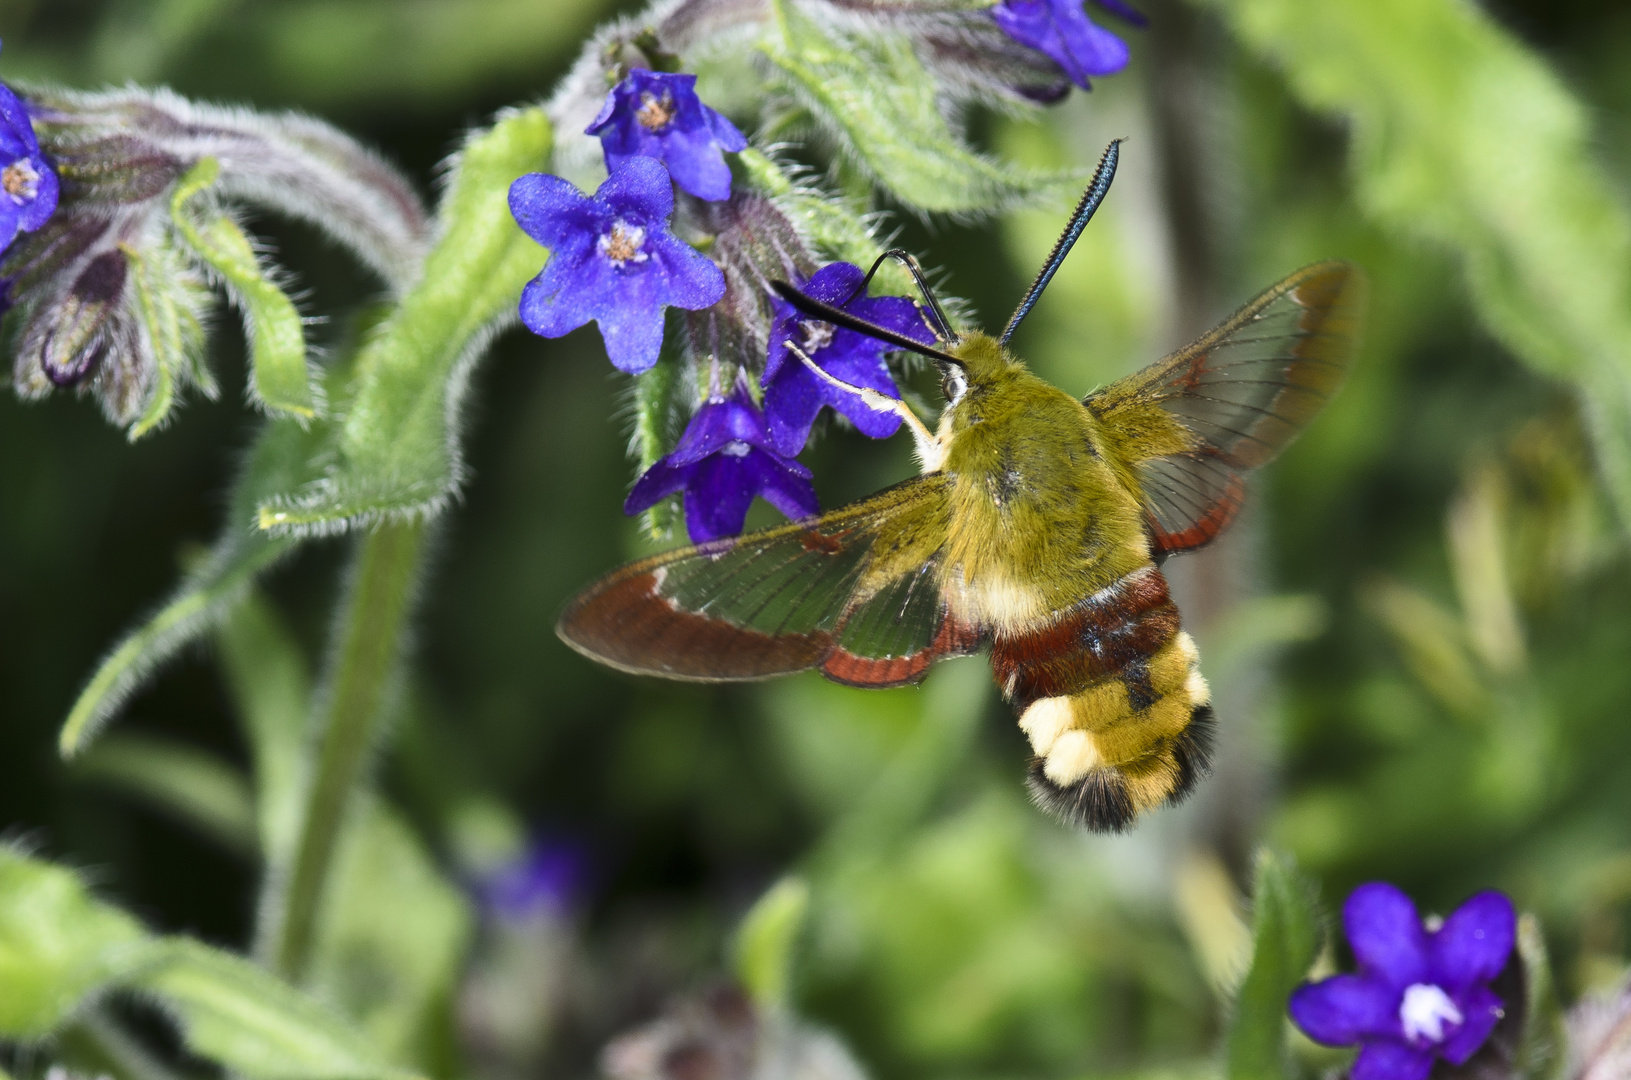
1465, 138
277, 340
1285, 937
872, 94
59, 946
399, 453
170, 300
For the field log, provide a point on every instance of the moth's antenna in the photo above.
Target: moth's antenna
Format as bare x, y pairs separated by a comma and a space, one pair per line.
1091, 198
904, 257
827, 313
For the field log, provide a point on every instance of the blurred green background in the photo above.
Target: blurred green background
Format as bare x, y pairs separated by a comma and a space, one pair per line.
1419, 634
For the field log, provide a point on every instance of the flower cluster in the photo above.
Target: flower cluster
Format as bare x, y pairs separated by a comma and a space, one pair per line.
1062, 30
614, 259
723, 461
1419, 994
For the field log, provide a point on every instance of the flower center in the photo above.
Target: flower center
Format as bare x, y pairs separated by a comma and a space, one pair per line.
655, 113
817, 334
736, 448
1424, 1010
21, 180
623, 243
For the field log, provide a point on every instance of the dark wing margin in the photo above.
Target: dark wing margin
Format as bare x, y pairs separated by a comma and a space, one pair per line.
1233, 400
854, 592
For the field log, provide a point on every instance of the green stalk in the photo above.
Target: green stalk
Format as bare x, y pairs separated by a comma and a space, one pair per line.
376, 608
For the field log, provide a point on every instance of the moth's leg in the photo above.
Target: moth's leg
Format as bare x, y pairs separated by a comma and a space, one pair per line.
929, 451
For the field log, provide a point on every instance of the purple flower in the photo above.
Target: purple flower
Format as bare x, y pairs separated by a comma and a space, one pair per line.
613, 260
1420, 994
650, 114
794, 394
1062, 29
722, 461
28, 184
547, 878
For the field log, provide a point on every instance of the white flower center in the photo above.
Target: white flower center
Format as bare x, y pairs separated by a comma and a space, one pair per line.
736, 448
20, 180
623, 243
1424, 1010
817, 334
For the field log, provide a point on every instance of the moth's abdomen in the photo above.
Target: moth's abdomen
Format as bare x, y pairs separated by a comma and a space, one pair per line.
1112, 700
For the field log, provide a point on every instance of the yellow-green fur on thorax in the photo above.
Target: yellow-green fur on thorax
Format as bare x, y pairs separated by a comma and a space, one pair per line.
1043, 511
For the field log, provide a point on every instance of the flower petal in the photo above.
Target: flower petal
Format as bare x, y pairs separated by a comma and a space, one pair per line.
1481, 1009
558, 300
1386, 1060
720, 422
792, 401
785, 485
693, 281
555, 213
1345, 1008
1475, 942
44, 203
639, 188
659, 481
718, 496
1386, 934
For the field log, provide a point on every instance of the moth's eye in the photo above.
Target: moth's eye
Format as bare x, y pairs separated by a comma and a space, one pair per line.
953, 384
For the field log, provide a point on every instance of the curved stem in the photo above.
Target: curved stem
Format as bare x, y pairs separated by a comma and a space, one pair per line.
365, 651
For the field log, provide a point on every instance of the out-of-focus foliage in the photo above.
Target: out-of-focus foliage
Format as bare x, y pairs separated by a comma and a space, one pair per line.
1418, 636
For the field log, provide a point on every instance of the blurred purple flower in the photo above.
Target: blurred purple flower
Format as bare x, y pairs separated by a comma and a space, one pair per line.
547, 878
28, 183
1419, 994
613, 260
794, 394
722, 461
1062, 29
651, 114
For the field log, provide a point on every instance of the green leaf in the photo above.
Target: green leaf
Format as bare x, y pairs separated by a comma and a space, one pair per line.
1285, 937
1464, 138
169, 299
766, 940
874, 96
239, 1015
283, 457
277, 340
390, 976
195, 786
271, 687
399, 453
57, 945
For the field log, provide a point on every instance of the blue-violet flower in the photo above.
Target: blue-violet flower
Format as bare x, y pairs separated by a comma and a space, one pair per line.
547, 878
613, 260
1419, 994
722, 461
794, 394
652, 114
28, 184
1062, 29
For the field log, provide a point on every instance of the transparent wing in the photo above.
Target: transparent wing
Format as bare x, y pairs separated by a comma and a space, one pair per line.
1196, 421
853, 591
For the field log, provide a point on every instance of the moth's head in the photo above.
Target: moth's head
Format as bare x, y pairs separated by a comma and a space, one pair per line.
975, 361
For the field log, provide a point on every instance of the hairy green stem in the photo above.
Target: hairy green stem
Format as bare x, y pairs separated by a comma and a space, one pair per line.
366, 648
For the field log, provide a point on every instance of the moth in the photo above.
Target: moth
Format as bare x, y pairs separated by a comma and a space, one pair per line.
1037, 531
